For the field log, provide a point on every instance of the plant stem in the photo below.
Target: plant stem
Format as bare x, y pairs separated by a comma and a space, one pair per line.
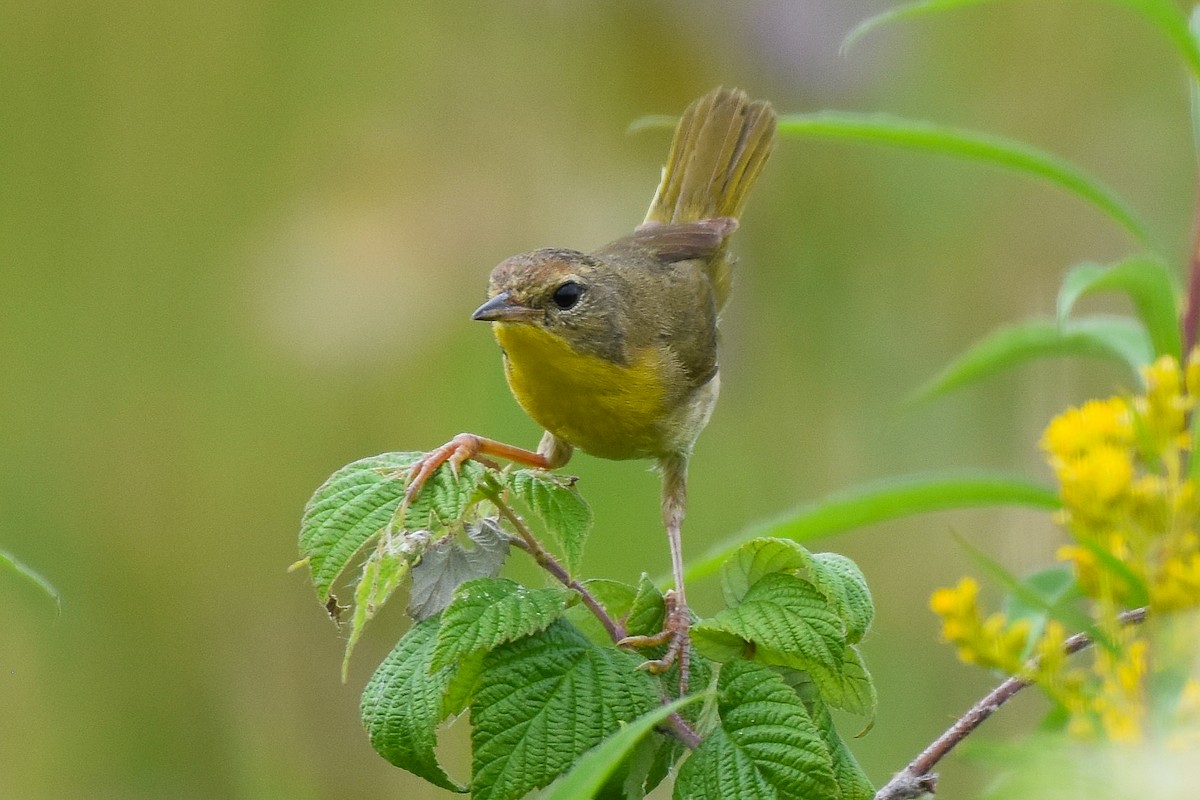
679, 727
917, 779
546, 560
1191, 312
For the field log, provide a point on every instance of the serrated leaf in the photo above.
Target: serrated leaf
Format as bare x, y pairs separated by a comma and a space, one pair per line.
851, 688
487, 612
765, 748
783, 620
851, 779
591, 771
884, 500
448, 564
445, 497
986, 148
387, 565
557, 503
648, 610
842, 582
1147, 282
756, 558
545, 700
1116, 339
10, 563
402, 706
351, 507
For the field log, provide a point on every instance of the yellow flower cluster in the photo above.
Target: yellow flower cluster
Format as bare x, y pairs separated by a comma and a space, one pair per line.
1132, 508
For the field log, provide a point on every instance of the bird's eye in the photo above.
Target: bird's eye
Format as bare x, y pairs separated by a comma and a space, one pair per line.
567, 295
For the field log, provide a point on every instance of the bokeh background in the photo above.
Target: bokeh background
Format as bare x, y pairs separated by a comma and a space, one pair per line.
239, 244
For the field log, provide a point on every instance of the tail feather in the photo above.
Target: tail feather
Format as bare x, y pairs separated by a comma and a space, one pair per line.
720, 145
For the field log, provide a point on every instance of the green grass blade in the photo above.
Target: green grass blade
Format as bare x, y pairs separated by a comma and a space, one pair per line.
8, 562
1113, 338
1147, 282
886, 500
1166, 16
987, 148
900, 13
592, 770
1162, 14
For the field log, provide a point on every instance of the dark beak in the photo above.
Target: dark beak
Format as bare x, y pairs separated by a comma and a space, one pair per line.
501, 308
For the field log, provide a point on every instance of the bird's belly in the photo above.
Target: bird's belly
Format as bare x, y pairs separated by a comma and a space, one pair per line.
604, 408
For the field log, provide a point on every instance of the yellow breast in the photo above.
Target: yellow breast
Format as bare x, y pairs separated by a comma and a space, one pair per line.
607, 409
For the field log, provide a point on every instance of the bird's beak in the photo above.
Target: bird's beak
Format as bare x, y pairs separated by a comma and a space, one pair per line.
502, 308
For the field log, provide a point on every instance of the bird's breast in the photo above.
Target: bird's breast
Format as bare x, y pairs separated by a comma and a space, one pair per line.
608, 409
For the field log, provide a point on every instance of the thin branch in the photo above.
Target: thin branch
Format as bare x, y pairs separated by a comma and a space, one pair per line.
679, 727
918, 779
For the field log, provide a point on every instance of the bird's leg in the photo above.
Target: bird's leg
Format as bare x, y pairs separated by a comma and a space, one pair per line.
552, 453
678, 619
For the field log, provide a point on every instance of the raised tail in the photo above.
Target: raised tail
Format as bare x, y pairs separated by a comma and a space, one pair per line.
720, 146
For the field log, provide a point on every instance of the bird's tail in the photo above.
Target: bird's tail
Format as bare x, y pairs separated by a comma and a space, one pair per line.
720, 146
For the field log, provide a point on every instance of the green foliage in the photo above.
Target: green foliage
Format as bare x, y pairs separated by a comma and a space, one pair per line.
543, 702
892, 498
766, 745
557, 503
549, 692
982, 147
1116, 339
1149, 284
488, 612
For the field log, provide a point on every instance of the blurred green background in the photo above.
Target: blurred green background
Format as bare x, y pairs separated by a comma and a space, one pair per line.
239, 244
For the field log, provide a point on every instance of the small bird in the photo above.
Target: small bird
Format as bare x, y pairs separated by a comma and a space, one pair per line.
614, 352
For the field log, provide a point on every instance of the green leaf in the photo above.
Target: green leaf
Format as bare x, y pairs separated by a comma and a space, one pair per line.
448, 564
402, 706
851, 688
353, 505
756, 558
10, 563
648, 610
544, 701
381, 575
783, 620
765, 748
842, 582
835, 576
1115, 339
589, 774
984, 147
1149, 284
487, 612
1163, 14
445, 497
851, 779
885, 500
558, 504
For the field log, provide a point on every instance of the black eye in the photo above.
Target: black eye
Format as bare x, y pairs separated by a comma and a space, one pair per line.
567, 295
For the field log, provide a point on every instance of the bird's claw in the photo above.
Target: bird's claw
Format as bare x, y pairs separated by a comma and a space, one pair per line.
461, 448
674, 634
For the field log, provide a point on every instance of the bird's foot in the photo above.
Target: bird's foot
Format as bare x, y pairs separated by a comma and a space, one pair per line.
674, 635
461, 448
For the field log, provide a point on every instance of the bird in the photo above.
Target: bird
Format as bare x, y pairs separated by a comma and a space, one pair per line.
614, 352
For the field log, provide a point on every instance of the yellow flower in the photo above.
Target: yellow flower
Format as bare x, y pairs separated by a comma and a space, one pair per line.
1095, 481
1097, 422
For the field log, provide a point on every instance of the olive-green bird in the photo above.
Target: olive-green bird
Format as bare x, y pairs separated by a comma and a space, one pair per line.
614, 352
